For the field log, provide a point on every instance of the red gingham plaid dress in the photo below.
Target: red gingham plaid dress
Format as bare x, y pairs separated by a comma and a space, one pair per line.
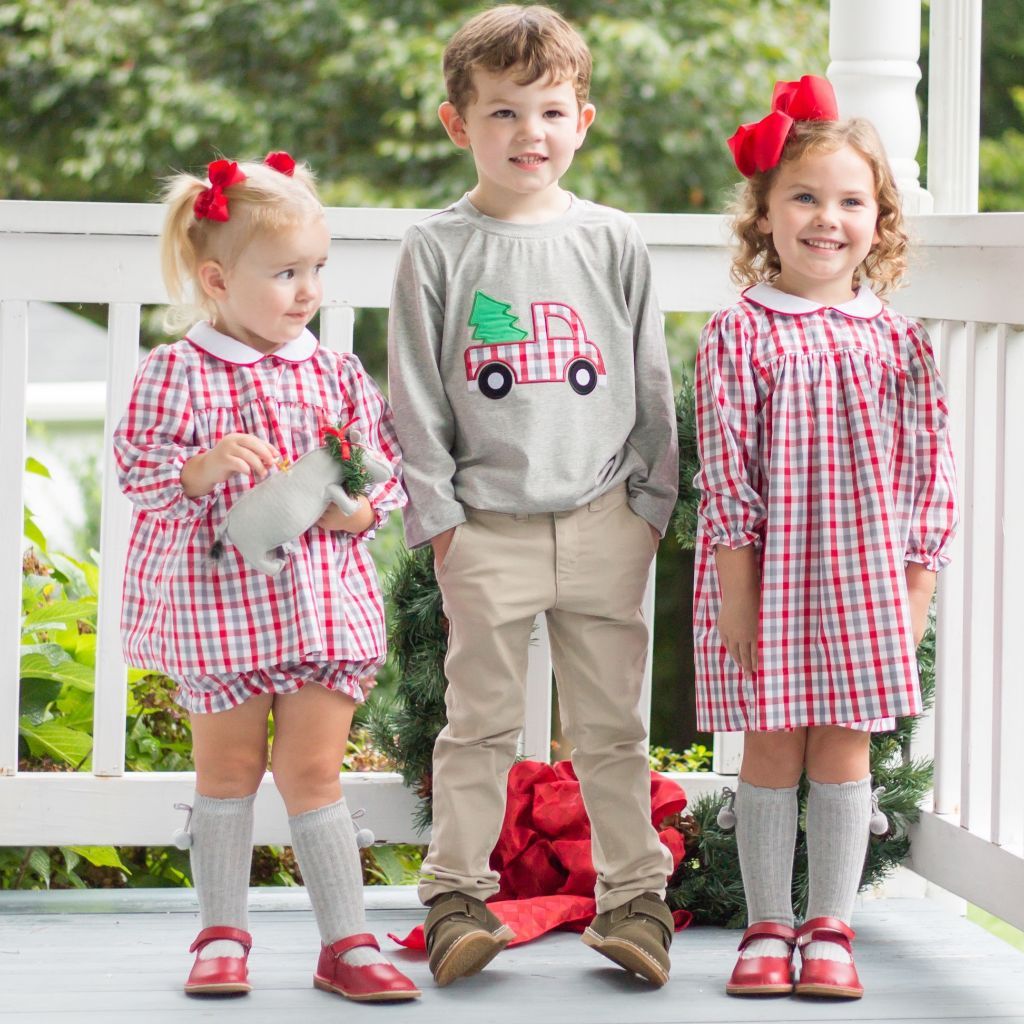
822, 437
201, 621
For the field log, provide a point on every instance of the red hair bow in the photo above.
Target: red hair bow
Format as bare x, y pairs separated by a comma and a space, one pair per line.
211, 203
758, 147
281, 161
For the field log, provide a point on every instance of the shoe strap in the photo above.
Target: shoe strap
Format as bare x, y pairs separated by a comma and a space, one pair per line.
353, 942
825, 929
768, 930
653, 909
216, 932
455, 904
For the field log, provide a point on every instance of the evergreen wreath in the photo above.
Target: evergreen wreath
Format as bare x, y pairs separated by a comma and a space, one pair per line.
404, 726
708, 881
355, 478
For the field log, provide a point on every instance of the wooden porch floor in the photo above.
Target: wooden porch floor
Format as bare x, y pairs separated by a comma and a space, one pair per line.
91, 957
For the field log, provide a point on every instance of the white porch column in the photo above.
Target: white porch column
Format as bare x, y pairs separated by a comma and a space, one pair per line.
875, 46
954, 104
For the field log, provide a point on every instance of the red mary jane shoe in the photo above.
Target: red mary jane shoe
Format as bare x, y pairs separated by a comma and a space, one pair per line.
827, 977
223, 975
372, 983
763, 975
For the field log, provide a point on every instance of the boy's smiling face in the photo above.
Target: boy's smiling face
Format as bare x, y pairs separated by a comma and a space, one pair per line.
523, 139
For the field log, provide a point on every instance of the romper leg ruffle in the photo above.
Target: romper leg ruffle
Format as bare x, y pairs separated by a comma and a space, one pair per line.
208, 694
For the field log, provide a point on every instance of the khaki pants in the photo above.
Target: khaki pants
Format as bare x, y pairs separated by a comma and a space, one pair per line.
587, 570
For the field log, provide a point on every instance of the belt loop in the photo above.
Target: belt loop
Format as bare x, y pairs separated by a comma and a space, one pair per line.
595, 505
521, 517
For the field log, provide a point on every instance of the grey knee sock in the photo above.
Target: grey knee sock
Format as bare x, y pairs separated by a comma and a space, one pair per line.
221, 856
766, 838
838, 815
324, 844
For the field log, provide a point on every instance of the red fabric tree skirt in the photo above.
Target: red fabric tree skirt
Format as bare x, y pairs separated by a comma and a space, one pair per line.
543, 852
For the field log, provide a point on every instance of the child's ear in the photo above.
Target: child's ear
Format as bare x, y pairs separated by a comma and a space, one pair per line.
211, 279
454, 125
586, 118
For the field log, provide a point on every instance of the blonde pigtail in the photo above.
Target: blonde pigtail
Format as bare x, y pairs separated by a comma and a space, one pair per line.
179, 252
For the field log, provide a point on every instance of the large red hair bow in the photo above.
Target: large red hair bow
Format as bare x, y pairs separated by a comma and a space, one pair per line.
758, 147
211, 203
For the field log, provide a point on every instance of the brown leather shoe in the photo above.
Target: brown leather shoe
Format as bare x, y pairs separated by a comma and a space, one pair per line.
462, 936
636, 936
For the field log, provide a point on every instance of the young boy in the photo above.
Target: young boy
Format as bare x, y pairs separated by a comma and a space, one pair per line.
533, 400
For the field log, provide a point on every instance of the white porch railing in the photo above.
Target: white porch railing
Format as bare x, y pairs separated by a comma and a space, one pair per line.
966, 285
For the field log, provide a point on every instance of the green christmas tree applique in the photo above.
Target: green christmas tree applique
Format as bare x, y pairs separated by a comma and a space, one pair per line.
492, 322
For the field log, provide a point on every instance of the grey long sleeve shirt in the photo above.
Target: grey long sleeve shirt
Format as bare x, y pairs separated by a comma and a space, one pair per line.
527, 368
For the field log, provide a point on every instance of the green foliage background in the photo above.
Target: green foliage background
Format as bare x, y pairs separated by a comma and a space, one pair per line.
99, 99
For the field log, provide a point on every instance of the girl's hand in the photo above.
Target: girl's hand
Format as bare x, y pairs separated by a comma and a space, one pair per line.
920, 587
233, 454
737, 626
362, 519
739, 579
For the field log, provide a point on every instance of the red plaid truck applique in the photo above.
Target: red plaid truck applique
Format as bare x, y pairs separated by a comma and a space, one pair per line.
558, 351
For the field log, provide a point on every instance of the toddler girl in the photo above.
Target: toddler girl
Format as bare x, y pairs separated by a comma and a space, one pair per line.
210, 415
827, 506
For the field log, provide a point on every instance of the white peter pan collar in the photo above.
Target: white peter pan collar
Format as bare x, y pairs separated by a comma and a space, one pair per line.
205, 336
865, 305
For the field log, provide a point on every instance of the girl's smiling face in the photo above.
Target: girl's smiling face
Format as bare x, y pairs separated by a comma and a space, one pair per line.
822, 216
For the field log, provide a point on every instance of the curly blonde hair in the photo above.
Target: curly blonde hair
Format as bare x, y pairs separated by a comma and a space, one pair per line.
756, 259
265, 202
532, 41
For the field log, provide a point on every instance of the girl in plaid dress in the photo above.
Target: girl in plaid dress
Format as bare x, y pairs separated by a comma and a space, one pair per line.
827, 506
209, 416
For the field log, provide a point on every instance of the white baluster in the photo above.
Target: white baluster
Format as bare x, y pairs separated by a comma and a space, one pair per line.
954, 104
875, 75
110, 704
13, 380
535, 742
951, 612
1008, 825
337, 326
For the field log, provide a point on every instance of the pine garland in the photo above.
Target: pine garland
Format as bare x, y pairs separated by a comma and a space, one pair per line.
355, 478
405, 726
685, 519
708, 882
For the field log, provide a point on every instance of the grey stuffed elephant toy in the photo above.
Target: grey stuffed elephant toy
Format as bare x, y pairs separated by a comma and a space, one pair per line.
285, 505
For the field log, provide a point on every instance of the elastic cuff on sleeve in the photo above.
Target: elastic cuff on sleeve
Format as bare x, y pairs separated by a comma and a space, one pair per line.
932, 561
735, 541
167, 497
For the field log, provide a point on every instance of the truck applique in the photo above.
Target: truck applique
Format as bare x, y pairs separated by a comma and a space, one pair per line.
558, 351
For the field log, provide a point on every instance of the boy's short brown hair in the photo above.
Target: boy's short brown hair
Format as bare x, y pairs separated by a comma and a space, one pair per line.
535, 40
